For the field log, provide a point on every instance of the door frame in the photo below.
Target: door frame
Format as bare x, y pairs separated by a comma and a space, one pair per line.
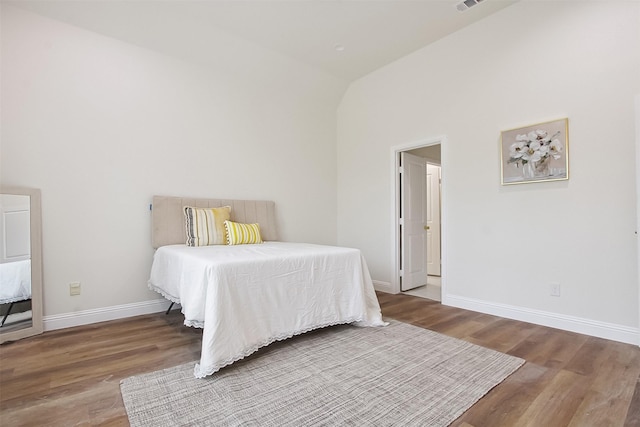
637, 108
395, 207
429, 202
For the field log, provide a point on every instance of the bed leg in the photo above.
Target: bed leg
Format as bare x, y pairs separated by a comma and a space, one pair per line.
4, 319
168, 309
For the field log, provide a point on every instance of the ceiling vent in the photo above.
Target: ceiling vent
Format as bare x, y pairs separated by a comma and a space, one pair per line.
467, 4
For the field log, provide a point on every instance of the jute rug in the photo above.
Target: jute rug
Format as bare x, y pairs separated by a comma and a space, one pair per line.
399, 375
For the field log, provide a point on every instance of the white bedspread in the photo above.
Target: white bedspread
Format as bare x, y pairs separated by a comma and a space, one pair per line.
248, 296
15, 281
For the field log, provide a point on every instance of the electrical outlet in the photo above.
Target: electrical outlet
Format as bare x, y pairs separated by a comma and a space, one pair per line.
554, 289
74, 288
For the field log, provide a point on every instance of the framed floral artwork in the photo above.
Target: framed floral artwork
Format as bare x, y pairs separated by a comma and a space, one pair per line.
535, 153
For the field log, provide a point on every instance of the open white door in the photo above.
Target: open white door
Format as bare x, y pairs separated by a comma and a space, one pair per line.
433, 220
413, 201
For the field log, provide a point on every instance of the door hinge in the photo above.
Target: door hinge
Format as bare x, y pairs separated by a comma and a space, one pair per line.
400, 221
401, 169
401, 273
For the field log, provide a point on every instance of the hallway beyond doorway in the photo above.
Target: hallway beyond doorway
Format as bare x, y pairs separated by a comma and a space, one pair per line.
431, 291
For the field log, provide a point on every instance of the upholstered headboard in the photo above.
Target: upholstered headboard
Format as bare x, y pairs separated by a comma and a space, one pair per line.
168, 222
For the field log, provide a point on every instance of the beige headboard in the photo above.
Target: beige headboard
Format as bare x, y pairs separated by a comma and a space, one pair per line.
168, 222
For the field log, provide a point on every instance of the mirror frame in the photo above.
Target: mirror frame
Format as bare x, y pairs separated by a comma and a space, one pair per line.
36, 264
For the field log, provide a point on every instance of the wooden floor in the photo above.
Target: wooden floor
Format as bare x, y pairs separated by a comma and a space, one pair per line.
71, 377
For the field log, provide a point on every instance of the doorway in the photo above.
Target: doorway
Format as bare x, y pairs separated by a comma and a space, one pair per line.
418, 219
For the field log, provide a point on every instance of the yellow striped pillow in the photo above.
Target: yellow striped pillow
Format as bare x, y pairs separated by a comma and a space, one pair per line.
242, 234
205, 226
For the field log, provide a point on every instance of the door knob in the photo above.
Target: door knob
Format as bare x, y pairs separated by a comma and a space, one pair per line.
426, 227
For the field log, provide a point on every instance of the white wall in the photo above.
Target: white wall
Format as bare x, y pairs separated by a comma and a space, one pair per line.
100, 126
532, 62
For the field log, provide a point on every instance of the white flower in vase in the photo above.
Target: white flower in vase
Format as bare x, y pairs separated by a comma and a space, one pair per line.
534, 146
533, 152
517, 149
555, 148
544, 150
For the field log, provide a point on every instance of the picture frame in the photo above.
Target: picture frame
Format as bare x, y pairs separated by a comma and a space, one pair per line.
535, 153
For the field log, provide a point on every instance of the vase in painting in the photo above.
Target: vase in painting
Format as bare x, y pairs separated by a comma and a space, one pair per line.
536, 169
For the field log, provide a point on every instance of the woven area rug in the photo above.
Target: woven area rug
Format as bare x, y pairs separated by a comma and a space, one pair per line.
399, 375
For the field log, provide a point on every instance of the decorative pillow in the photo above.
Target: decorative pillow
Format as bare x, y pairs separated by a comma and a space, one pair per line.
205, 226
242, 234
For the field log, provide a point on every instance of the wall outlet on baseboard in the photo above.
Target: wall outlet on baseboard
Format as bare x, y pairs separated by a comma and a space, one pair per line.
554, 289
74, 288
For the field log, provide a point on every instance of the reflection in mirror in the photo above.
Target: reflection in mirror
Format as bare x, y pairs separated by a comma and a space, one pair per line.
15, 262
20, 263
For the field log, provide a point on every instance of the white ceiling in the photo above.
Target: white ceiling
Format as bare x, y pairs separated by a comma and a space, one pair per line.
372, 33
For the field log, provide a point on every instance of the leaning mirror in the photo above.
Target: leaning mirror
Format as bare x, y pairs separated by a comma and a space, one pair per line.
20, 263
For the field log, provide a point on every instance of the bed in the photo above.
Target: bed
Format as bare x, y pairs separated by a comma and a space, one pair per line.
249, 295
15, 281
15, 284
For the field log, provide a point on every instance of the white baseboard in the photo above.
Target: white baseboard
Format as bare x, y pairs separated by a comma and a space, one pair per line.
382, 286
86, 317
580, 325
594, 328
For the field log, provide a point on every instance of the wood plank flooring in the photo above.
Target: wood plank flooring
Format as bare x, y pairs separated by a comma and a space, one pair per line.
71, 377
